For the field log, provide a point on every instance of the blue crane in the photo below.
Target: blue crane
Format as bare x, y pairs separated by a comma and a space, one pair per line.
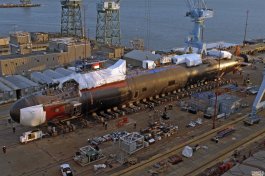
198, 12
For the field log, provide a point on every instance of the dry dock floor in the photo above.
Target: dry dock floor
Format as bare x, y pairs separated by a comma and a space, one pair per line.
43, 157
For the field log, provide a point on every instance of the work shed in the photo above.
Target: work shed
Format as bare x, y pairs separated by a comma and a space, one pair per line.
227, 103
137, 57
6, 93
21, 85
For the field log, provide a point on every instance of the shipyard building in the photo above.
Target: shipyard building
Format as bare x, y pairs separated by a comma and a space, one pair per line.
36, 52
4, 46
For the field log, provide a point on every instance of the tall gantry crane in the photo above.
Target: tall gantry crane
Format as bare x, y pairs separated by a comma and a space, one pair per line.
71, 20
258, 104
108, 22
198, 12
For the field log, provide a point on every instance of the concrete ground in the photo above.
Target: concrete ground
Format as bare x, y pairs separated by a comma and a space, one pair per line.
203, 155
43, 157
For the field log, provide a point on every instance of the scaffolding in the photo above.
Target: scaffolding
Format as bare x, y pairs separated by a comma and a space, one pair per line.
226, 103
200, 101
108, 22
71, 21
87, 155
131, 143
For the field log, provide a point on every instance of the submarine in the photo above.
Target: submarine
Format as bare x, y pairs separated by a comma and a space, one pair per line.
42, 107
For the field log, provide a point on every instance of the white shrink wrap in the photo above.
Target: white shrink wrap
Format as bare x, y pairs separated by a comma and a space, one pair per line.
32, 116
219, 54
114, 73
187, 151
178, 59
148, 64
193, 60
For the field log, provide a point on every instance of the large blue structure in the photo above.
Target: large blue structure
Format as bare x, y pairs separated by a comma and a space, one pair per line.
198, 12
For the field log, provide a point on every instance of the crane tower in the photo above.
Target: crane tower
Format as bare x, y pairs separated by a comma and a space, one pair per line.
198, 12
108, 22
71, 20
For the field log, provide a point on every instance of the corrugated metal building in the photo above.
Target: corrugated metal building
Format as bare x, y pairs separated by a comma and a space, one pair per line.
52, 74
136, 57
40, 78
64, 71
6, 94
21, 85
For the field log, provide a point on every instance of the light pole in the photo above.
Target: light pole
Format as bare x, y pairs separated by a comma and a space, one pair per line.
245, 29
216, 90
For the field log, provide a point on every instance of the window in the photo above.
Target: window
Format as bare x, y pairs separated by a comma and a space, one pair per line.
170, 83
144, 89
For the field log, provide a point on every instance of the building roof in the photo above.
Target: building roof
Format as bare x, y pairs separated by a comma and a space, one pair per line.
254, 163
63, 71
40, 78
4, 88
31, 83
9, 84
20, 82
142, 55
52, 74
33, 54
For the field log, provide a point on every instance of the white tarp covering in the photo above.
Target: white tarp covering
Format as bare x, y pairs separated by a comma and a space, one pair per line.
179, 59
219, 54
32, 116
165, 59
193, 60
187, 151
114, 73
148, 64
